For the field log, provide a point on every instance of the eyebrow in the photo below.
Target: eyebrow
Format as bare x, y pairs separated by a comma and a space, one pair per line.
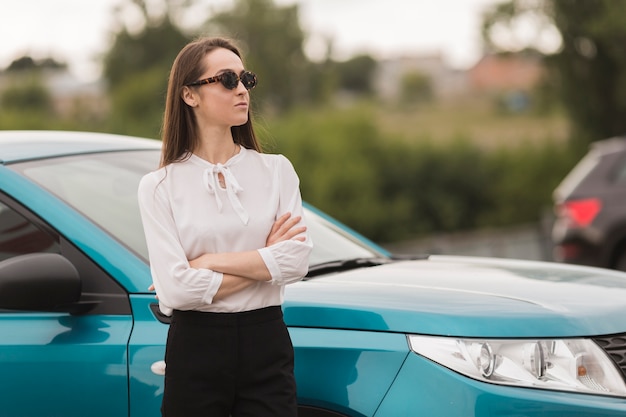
230, 69
221, 71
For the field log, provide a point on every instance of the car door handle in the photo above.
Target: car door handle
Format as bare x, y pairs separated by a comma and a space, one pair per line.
158, 368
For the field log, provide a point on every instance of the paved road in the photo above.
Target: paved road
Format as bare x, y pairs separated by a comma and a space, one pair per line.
521, 242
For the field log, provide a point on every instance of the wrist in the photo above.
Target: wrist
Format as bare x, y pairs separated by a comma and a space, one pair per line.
202, 262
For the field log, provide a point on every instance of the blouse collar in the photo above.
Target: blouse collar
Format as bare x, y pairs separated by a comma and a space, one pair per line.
232, 187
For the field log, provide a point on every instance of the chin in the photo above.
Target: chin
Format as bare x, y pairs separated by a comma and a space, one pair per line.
240, 121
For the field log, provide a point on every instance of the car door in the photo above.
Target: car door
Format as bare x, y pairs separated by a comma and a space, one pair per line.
55, 363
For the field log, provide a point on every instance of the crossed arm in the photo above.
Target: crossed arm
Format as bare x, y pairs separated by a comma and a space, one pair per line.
242, 269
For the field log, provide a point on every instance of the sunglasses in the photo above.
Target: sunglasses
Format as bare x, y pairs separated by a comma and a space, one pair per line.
230, 80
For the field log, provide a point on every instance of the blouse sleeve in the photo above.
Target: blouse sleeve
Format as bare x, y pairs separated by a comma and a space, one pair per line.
288, 261
177, 285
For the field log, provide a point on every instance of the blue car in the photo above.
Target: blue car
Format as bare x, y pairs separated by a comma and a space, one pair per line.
374, 336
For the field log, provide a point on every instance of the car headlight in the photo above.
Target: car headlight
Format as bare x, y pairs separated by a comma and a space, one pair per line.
577, 365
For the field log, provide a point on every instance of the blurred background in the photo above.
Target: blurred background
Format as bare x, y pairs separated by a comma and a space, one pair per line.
427, 126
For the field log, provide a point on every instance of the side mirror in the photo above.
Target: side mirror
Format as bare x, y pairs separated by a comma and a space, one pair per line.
39, 282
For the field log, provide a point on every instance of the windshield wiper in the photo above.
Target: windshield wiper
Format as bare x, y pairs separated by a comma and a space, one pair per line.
345, 265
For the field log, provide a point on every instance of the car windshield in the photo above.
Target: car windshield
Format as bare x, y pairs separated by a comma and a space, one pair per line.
103, 187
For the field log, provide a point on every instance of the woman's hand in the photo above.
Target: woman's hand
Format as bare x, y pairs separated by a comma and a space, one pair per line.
249, 264
284, 229
151, 288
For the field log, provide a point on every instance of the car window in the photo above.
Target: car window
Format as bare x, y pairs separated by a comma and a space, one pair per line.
101, 186
18, 236
620, 172
22, 233
577, 175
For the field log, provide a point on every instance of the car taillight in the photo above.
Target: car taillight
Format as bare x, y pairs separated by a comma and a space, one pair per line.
581, 212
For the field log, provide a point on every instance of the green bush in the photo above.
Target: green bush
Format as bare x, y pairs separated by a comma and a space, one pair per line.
336, 157
28, 95
138, 103
391, 190
524, 179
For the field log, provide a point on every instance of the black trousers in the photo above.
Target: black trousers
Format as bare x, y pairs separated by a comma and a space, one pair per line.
229, 364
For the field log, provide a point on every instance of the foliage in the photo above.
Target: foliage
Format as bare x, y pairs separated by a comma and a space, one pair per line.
28, 64
138, 104
334, 154
155, 47
136, 68
391, 189
589, 70
272, 44
27, 93
355, 74
415, 87
273, 48
522, 180
323, 83
593, 56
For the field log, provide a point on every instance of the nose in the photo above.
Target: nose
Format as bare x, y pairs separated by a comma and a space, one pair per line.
240, 89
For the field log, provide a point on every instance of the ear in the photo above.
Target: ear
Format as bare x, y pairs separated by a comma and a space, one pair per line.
189, 97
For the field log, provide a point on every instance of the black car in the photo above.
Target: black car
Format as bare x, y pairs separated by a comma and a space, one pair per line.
590, 203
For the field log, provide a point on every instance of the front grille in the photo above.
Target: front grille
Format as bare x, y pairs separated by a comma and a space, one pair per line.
615, 346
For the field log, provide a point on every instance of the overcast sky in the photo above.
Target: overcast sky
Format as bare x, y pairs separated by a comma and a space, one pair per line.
77, 31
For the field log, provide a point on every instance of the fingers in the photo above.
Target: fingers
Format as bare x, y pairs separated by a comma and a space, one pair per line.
151, 288
284, 228
288, 225
291, 233
280, 222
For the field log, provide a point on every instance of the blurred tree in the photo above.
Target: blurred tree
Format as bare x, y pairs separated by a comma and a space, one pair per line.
356, 74
322, 83
415, 87
270, 38
272, 44
138, 103
137, 65
29, 95
51, 63
27, 63
336, 155
26, 91
27, 99
155, 46
589, 68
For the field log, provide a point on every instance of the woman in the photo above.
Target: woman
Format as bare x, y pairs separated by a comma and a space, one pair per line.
224, 228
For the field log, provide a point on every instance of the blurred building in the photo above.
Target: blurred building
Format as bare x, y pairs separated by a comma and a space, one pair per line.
511, 78
506, 73
493, 74
445, 82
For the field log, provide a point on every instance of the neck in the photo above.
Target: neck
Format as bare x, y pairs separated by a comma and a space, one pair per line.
217, 153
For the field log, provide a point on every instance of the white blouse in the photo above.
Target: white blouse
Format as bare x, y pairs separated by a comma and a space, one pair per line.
186, 213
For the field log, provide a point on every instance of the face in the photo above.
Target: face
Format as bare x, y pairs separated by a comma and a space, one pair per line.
214, 104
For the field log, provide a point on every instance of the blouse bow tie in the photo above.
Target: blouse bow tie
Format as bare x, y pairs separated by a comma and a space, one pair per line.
230, 184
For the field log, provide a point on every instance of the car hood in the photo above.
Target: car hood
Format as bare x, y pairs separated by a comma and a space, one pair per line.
463, 296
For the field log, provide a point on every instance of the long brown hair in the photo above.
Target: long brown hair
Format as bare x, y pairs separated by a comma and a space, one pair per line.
180, 132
